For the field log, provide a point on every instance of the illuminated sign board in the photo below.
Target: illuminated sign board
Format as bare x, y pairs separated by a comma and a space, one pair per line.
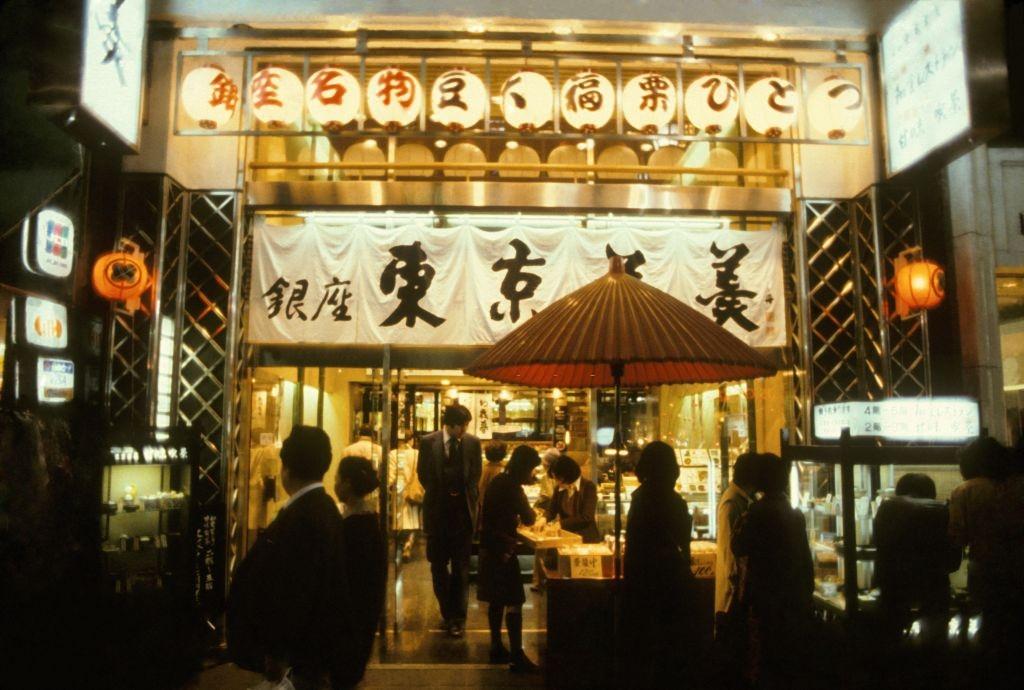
924, 74
112, 65
55, 380
940, 420
46, 323
48, 244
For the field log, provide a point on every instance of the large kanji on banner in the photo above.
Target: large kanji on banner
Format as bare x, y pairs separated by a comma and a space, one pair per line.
349, 284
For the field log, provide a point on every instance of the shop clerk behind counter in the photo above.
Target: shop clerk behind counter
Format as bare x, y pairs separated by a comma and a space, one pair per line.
574, 502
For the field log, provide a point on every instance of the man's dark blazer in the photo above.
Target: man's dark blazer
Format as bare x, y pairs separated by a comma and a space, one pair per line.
430, 470
289, 598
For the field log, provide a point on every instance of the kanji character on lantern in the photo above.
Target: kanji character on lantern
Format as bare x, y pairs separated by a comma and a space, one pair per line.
527, 101
333, 96
394, 98
649, 102
588, 101
712, 103
458, 99
275, 96
209, 96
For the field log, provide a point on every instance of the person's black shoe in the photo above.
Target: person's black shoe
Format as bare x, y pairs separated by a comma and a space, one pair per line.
521, 663
455, 629
500, 655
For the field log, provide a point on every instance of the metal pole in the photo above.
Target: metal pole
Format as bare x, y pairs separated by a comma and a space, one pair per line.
385, 487
617, 369
849, 526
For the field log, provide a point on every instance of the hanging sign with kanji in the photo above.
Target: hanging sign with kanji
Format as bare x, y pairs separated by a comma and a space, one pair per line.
420, 285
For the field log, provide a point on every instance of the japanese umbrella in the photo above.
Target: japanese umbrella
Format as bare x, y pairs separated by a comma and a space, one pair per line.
618, 331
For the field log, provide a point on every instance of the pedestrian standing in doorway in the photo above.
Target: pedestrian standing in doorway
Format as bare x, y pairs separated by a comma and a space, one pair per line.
778, 581
505, 507
366, 557
658, 583
730, 618
408, 513
289, 603
449, 468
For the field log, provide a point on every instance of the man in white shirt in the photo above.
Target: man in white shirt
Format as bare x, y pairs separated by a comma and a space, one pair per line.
363, 447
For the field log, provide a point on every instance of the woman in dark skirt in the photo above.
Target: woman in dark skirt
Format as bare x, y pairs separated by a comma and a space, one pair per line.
365, 558
499, 583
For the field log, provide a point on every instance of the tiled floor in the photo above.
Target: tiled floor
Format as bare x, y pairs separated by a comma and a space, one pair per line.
416, 652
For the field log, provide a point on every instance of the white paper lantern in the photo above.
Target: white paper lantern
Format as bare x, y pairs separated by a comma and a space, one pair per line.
835, 107
209, 96
770, 106
275, 96
712, 103
588, 101
394, 98
458, 100
649, 102
527, 101
333, 97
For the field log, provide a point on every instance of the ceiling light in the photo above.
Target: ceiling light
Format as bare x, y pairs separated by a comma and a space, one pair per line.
369, 143
563, 30
440, 144
646, 146
512, 144
476, 28
668, 32
445, 382
769, 36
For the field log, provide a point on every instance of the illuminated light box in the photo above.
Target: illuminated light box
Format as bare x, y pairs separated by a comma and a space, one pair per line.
48, 244
944, 80
940, 420
46, 323
55, 380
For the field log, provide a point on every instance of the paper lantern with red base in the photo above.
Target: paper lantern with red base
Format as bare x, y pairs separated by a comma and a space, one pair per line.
121, 276
918, 284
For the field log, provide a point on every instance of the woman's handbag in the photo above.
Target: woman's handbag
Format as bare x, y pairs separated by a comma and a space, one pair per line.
414, 491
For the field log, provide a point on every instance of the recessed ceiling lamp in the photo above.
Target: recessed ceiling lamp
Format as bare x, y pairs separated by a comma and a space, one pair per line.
440, 144
769, 36
563, 29
476, 28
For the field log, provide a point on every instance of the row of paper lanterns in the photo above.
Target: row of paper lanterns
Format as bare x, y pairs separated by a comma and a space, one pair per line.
458, 100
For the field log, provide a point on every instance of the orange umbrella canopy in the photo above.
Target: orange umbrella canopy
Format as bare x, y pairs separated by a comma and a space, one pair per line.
618, 319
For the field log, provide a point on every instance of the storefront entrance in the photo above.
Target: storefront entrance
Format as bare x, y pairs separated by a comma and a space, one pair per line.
708, 425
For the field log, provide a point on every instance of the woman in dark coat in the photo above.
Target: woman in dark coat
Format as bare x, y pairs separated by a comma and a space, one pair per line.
365, 557
499, 582
778, 581
657, 572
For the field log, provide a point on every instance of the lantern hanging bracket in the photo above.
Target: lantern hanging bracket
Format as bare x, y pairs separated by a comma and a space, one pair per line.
527, 46
688, 47
841, 53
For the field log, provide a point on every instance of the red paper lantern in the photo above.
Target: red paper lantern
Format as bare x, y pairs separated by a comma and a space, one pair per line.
920, 285
121, 276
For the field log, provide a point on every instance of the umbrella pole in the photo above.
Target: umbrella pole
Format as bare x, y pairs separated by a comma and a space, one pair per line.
617, 368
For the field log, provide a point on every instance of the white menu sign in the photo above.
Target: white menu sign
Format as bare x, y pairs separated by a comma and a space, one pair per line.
115, 31
943, 420
924, 76
46, 323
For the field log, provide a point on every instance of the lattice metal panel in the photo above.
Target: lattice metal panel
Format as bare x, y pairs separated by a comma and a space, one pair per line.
204, 332
141, 218
173, 276
869, 286
833, 366
898, 227
793, 257
237, 430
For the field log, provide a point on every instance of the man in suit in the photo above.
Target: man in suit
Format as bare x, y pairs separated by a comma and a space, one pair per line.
288, 606
449, 469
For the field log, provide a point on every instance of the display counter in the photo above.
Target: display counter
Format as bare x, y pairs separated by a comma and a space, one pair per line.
581, 612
